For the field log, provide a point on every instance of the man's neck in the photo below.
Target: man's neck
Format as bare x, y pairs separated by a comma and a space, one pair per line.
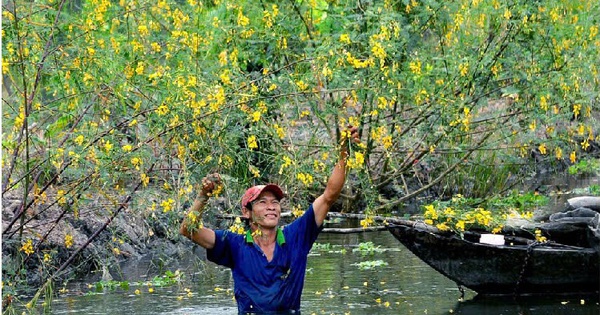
264, 236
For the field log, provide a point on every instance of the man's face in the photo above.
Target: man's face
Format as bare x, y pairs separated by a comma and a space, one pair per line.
266, 210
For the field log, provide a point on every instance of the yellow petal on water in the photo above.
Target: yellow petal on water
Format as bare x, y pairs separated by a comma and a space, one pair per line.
378, 300
137, 292
365, 283
346, 287
582, 302
564, 302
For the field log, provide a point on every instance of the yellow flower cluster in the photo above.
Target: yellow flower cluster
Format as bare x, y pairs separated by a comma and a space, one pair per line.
68, 240
237, 226
358, 64
167, 205
460, 220
366, 222
356, 162
305, 178
252, 143
287, 161
297, 211
539, 237
27, 247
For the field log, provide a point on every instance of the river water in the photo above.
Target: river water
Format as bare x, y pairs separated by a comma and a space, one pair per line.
382, 278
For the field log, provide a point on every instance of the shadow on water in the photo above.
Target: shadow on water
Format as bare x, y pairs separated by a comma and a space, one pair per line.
585, 305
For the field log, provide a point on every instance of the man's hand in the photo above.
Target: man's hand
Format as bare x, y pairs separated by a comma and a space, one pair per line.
210, 184
349, 136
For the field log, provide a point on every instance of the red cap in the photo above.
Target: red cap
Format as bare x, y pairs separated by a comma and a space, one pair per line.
253, 192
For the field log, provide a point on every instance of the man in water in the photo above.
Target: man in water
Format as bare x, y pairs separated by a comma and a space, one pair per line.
268, 262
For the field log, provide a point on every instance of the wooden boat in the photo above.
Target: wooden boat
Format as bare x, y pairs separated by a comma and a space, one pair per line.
520, 267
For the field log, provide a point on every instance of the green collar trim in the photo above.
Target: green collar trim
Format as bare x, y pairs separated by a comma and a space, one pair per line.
280, 237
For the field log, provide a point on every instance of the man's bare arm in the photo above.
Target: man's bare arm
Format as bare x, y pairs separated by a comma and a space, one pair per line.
201, 235
336, 181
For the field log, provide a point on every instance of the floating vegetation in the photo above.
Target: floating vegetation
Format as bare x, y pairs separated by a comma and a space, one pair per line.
370, 264
368, 248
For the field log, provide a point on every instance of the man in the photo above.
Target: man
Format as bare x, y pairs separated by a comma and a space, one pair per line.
268, 263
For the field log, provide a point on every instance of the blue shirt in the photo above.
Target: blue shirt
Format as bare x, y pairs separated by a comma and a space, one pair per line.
262, 286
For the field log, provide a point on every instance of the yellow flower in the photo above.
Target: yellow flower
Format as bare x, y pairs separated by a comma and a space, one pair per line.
449, 212
585, 144
280, 131
79, 139
558, 153
345, 38
68, 240
27, 247
539, 237
366, 222
576, 110
60, 197
252, 144
305, 178
136, 162
255, 116
442, 226
463, 68
542, 148
573, 157
255, 172
242, 20
162, 110
167, 205
430, 212
415, 66
297, 211
544, 102
301, 85
357, 161
107, 146
237, 226
460, 225
145, 179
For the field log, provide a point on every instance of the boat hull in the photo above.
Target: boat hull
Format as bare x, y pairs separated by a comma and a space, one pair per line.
504, 269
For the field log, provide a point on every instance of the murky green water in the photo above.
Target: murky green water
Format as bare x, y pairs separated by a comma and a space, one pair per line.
336, 283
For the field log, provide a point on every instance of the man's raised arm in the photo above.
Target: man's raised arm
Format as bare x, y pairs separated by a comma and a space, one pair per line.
336, 181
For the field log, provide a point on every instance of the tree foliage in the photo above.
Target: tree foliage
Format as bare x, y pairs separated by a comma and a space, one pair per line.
135, 101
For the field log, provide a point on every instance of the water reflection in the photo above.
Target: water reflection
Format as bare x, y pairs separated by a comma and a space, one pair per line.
525, 306
338, 281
